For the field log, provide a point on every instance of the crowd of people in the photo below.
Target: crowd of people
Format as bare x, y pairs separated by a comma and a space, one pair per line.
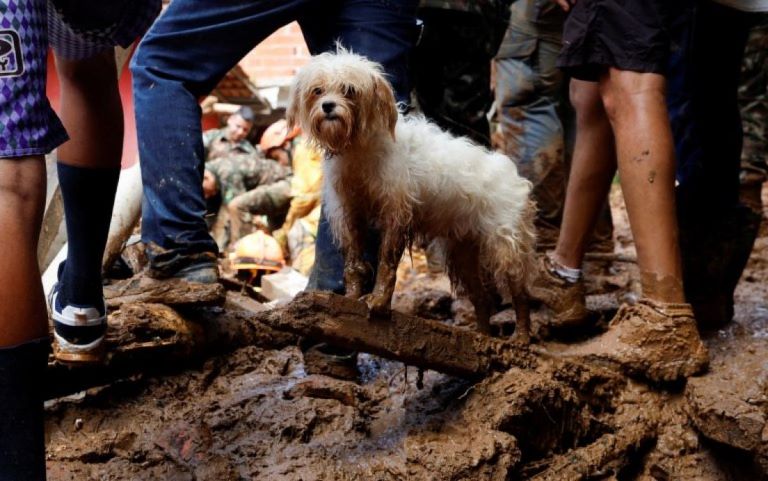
583, 88
273, 187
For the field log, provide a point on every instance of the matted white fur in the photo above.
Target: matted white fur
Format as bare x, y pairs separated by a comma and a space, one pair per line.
408, 175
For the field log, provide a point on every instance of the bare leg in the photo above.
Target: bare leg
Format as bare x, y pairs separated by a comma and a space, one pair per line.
91, 112
592, 169
390, 253
23, 316
635, 103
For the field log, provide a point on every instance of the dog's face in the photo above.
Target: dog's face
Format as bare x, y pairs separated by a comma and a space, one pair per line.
340, 99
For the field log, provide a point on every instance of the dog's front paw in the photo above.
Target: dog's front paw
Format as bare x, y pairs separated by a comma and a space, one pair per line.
377, 306
521, 338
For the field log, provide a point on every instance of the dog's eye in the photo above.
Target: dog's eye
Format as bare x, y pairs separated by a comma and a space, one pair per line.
317, 91
350, 91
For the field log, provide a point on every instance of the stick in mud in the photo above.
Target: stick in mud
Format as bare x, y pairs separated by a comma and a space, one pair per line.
347, 323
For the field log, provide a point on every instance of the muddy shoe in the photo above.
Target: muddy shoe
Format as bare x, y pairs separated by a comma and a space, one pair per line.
201, 273
564, 298
658, 341
78, 331
331, 361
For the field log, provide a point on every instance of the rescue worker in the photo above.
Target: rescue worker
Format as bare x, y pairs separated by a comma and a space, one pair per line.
276, 142
232, 138
248, 185
255, 255
299, 231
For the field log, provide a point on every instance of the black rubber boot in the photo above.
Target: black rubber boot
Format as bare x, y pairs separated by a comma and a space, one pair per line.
22, 437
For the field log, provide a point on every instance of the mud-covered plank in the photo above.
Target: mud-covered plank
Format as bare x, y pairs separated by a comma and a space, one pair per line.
417, 342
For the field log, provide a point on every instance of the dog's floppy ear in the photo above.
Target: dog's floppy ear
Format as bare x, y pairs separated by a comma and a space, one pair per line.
292, 112
385, 104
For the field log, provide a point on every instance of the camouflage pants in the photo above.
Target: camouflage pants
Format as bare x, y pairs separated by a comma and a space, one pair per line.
753, 102
271, 201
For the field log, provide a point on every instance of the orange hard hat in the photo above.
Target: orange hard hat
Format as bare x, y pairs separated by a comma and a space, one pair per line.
258, 251
276, 135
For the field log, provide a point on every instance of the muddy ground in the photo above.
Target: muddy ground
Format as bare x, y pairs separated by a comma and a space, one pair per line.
256, 414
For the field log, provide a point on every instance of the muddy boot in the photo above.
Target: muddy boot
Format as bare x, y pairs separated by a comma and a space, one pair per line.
331, 361
658, 341
564, 298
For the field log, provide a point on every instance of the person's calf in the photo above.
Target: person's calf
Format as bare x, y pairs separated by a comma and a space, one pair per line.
22, 304
91, 111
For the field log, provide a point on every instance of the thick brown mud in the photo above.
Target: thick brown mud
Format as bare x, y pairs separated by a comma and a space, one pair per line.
255, 414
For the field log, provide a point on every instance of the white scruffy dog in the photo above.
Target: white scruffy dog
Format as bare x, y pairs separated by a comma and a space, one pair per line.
415, 182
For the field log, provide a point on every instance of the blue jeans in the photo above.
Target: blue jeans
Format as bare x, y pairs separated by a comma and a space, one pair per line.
185, 54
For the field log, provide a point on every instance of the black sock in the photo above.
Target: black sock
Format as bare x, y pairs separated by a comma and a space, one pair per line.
89, 195
22, 438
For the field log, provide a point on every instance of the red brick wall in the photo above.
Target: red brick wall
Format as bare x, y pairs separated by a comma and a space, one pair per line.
276, 59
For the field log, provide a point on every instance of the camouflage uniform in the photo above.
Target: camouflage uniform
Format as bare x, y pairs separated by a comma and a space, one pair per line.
452, 62
217, 145
537, 122
753, 102
252, 183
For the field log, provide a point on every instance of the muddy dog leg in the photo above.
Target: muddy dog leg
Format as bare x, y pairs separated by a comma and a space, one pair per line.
391, 251
356, 270
522, 333
464, 269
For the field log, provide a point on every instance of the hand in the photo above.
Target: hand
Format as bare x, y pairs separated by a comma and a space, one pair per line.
565, 4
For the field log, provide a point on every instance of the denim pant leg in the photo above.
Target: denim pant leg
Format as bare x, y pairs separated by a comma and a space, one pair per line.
384, 31
183, 56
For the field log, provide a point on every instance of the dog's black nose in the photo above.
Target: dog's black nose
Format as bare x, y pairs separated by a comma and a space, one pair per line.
328, 107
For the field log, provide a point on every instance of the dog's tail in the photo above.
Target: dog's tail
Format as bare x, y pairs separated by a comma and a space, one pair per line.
509, 254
